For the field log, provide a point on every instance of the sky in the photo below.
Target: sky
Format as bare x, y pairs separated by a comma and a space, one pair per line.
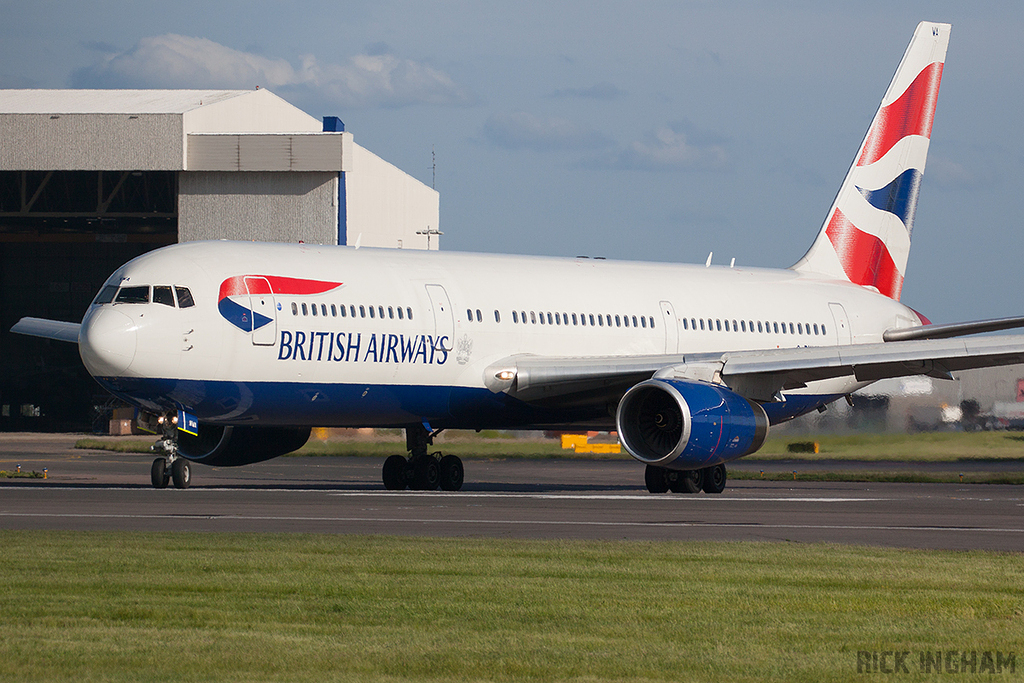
652, 131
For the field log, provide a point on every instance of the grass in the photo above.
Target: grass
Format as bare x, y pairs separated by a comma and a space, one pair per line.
5, 474
922, 447
190, 607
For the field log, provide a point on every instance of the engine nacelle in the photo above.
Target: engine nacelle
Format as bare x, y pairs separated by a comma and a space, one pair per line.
688, 425
231, 446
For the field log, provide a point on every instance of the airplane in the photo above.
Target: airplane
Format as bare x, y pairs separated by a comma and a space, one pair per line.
233, 351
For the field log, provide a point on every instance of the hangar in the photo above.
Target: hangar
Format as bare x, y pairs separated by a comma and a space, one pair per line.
92, 178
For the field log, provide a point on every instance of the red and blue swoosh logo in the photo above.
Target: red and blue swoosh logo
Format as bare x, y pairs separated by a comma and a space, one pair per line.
236, 293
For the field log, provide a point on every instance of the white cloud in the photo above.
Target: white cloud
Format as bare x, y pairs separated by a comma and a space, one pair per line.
174, 61
520, 130
667, 149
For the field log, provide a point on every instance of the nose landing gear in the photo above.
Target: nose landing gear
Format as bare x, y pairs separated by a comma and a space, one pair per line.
170, 467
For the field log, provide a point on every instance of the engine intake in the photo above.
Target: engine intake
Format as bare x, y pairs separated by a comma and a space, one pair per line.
231, 446
688, 425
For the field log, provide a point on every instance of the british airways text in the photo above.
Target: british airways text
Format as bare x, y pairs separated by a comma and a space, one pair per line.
355, 348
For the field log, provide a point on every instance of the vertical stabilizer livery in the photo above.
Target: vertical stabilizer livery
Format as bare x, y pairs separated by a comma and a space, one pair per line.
234, 350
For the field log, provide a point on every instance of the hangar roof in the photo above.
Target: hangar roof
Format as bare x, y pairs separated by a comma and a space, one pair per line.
110, 101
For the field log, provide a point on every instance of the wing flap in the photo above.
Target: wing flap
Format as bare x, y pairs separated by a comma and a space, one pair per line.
757, 375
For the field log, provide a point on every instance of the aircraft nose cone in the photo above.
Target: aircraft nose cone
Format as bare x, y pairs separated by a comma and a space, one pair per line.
107, 342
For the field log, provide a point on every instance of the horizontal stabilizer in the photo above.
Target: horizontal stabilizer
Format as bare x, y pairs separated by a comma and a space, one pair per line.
952, 329
48, 329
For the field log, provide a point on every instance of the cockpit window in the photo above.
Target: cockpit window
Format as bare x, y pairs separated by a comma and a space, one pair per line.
162, 295
184, 297
106, 295
133, 295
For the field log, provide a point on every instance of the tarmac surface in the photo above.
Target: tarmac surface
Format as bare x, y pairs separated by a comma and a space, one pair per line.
552, 499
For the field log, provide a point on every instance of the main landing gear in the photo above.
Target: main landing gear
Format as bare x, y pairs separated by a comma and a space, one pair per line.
422, 471
661, 479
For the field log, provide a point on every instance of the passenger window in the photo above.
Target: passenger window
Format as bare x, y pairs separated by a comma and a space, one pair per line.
295, 308
549, 318
815, 329
133, 295
380, 310
408, 313
469, 315
313, 306
515, 317
401, 313
823, 330
702, 324
372, 312
643, 322
718, 325
591, 319
334, 311
618, 323
600, 320
634, 321
574, 319
759, 328
162, 295
305, 311
352, 309
652, 322
323, 309
743, 326
479, 318
106, 295
362, 310
558, 318
497, 316
533, 318
391, 312
343, 310
791, 328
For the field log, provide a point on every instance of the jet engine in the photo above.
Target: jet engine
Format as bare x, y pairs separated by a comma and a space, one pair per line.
230, 446
684, 425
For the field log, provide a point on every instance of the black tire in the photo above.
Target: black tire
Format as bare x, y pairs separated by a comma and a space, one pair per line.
685, 481
452, 473
393, 473
427, 475
181, 473
714, 479
158, 473
656, 479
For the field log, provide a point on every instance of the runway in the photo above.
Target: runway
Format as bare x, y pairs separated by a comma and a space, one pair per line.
553, 499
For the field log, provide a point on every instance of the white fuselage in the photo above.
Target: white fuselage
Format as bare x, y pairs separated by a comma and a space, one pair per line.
427, 321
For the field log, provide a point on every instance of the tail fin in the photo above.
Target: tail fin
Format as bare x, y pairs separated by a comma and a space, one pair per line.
866, 237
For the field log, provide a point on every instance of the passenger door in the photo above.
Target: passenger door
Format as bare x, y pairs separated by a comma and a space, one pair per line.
444, 320
264, 313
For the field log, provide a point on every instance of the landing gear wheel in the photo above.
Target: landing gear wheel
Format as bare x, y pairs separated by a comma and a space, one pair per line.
427, 474
452, 473
714, 479
686, 481
159, 474
656, 479
393, 473
181, 473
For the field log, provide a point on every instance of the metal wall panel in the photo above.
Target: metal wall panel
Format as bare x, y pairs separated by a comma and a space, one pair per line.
90, 142
265, 206
269, 152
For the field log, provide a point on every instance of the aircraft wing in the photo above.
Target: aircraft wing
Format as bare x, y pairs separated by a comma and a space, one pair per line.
48, 329
757, 375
